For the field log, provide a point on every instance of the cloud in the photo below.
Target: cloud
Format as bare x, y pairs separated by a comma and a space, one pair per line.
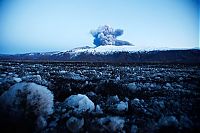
106, 35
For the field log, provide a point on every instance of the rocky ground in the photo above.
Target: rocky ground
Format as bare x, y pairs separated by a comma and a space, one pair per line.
100, 97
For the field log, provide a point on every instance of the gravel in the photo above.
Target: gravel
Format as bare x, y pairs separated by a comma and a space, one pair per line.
102, 97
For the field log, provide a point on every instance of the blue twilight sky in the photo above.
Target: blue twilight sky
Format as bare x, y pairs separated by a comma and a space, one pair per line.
54, 25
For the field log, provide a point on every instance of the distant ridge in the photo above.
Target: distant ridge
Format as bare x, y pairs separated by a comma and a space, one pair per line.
110, 53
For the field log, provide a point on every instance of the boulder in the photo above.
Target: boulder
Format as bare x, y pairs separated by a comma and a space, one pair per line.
122, 106
168, 122
111, 124
80, 103
74, 124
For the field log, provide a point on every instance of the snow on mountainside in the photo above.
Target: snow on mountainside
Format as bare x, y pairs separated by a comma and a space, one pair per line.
111, 53
107, 49
111, 49
104, 50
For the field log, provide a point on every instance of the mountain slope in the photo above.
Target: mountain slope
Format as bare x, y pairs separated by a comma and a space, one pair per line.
110, 53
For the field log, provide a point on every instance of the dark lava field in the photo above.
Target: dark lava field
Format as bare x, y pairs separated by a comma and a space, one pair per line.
99, 97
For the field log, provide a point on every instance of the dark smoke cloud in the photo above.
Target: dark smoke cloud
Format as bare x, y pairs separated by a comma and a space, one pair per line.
105, 35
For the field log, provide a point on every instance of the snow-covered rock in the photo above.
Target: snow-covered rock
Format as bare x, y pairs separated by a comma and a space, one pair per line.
113, 100
122, 106
98, 110
41, 123
32, 78
185, 122
38, 99
62, 72
134, 129
17, 79
133, 87
80, 103
74, 124
74, 76
25, 100
112, 124
168, 121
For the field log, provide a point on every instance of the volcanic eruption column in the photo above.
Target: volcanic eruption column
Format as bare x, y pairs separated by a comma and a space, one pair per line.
106, 35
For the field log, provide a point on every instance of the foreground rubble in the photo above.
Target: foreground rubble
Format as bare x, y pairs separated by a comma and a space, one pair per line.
99, 97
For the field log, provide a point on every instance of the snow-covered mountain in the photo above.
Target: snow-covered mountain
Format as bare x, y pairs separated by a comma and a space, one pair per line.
106, 49
112, 53
113, 48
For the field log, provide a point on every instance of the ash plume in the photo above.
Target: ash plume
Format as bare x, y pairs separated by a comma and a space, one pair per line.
106, 35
